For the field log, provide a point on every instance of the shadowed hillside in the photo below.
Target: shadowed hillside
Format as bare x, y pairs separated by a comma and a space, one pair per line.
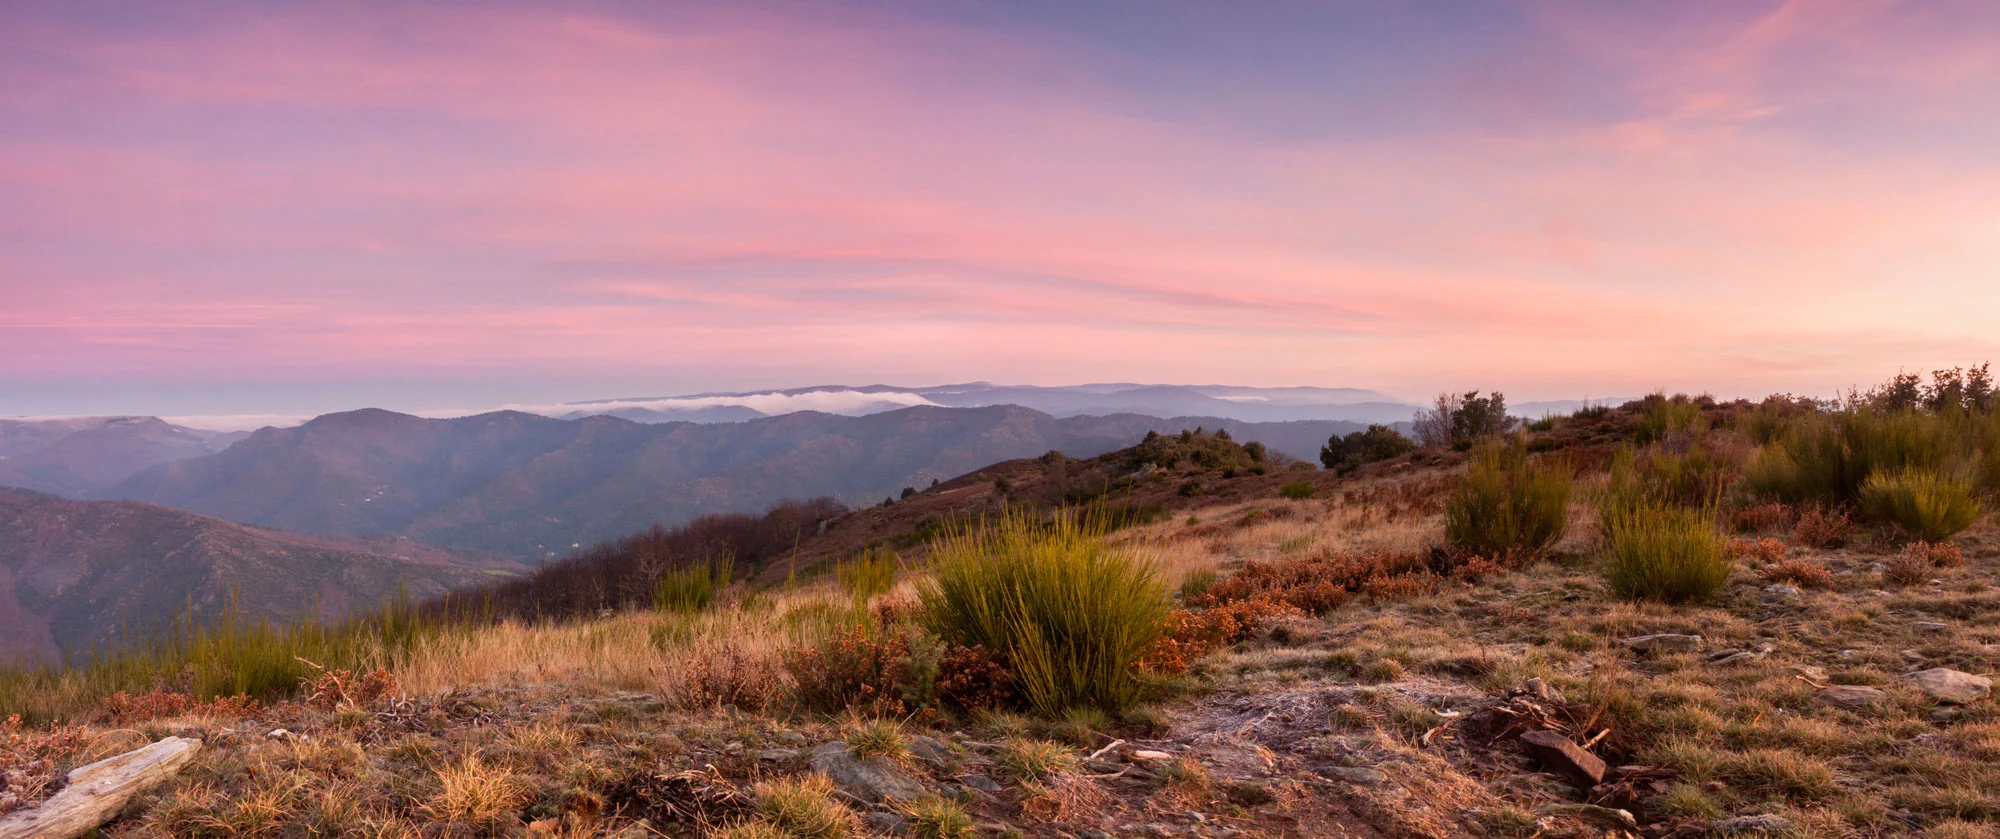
79, 574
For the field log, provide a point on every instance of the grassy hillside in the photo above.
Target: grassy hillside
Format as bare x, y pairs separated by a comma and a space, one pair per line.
1706, 632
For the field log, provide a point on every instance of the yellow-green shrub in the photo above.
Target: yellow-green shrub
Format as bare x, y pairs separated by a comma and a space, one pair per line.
1071, 614
1508, 503
1667, 554
1927, 505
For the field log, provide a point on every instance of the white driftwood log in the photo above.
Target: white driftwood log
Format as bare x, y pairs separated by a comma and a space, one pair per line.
96, 793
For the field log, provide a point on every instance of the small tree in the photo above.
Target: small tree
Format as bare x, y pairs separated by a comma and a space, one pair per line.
1459, 421
1348, 453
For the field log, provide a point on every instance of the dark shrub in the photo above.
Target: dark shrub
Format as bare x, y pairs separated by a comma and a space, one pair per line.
1359, 448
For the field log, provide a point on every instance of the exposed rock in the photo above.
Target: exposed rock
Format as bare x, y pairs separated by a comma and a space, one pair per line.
1565, 758
1782, 591
1850, 696
1740, 657
873, 780
981, 783
1543, 691
932, 751
279, 734
1358, 775
778, 755
1928, 626
1603, 816
1816, 675
1665, 642
1765, 824
1950, 686
886, 822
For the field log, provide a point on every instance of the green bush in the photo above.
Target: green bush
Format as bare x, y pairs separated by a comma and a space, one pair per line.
1508, 503
693, 588
868, 574
1661, 416
1298, 489
1825, 458
1926, 505
1665, 554
1071, 615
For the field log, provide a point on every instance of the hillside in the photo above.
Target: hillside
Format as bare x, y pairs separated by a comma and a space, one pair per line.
1333, 662
80, 458
79, 574
528, 486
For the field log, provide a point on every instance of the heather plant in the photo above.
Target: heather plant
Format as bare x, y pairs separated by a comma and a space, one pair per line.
1508, 503
1071, 614
1927, 505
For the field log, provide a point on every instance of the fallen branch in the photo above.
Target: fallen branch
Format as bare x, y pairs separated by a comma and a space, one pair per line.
98, 791
1100, 752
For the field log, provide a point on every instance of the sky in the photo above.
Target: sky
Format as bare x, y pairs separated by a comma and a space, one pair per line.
234, 207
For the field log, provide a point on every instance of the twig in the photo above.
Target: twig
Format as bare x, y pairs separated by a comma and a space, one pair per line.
1600, 735
1100, 752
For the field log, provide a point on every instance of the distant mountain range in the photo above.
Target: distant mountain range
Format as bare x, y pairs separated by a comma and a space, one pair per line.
77, 458
528, 486
1243, 404
81, 574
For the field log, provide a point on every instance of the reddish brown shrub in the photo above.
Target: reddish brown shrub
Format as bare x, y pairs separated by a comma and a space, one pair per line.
1819, 530
1799, 572
974, 677
1314, 584
1402, 586
1764, 550
336, 689
1941, 554
729, 677
1908, 568
851, 669
1764, 518
122, 708
1479, 568
27, 759
1193, 634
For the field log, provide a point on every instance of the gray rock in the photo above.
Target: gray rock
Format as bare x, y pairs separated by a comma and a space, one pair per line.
981, 783
778, 755
1543, 691
1928, 626
1765, 824
886, 822
1808, 672
873, 780
1358, 775
1950, 686
932, 751
1850, 696
1781, 591
1740, 657
1665, 642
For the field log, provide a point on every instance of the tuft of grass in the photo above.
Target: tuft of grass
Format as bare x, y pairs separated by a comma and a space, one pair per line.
1507, 504
936, 818
1927, 505
1665, 554
878, 738
1824, 459
1297, 490
1072, 615
1032, 760
803, 807
474, 793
